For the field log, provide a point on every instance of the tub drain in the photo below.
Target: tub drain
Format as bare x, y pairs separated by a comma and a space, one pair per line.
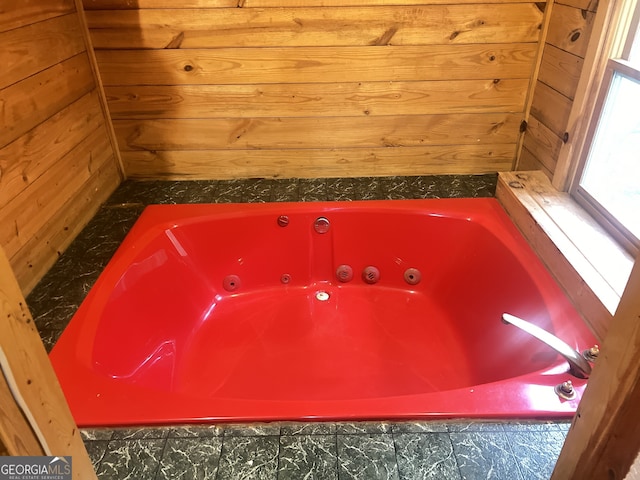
322, 296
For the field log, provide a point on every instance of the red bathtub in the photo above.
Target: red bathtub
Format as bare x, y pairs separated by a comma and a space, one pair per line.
342, 310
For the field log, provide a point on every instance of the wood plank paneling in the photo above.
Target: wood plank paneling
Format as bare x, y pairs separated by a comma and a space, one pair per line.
341, 78
528, 162
18, 13
53, 133
28, 211
41, 251
227, 66
299, 27
551, 108
30, 102
322, 162
315, 99
31, 155
570, 29
562, 62
337, 132
542, 143
589, 5
560, 70
187, 4
48, 43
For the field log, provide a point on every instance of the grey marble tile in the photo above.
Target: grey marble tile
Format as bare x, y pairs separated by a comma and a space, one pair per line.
425, 187
456, 187
425, 456
96, 450
149, 192
201, 191
257, 190
363, 427
229, 191
341, 189
249, 458
190, 459
370, 456
419, 427
312, 190
136, 433
531, 425
395, 188
96, 433
195, 431
369, 189
475, 426
251, 429
485, 455
285, 190
308, 456
131, 460
308, 428
536, 452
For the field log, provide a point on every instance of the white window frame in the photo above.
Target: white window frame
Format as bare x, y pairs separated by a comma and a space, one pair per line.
621, 42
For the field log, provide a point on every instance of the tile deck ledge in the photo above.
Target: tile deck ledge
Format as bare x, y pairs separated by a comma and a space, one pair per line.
586, 261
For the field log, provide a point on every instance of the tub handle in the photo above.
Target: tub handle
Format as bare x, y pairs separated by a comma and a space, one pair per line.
579, 366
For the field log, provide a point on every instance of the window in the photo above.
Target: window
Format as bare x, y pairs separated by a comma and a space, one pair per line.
607, 182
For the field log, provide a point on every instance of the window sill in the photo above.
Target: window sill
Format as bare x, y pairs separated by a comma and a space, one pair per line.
586, 261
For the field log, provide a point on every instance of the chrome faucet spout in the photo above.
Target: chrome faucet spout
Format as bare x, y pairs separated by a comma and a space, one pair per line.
579, 366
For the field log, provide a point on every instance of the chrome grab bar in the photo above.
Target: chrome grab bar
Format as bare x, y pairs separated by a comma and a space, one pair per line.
579, 366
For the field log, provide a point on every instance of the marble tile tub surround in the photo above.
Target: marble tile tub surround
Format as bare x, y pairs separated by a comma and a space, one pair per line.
458, 449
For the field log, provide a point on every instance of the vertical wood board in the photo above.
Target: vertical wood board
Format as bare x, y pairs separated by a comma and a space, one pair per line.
35, 378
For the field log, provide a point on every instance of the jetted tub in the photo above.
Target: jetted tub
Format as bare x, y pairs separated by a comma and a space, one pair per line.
337, 310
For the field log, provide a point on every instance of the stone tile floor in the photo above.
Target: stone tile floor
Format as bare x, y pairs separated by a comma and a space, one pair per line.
363, 450
461, 449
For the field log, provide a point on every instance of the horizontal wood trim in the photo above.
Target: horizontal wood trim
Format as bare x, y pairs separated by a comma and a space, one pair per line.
551, 108
337, 132
560, 70
313, 99
28, 157
30, 102
315, 64
18, 13
310, 163
542, 143
187, 4
29, 211
47, 43
570, 29
43, 249
319, 26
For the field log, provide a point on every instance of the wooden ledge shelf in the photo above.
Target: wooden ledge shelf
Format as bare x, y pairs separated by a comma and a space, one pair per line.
587, 262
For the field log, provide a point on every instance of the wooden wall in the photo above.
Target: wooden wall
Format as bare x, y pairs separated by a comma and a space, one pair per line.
562, 61
317, 88
57, 162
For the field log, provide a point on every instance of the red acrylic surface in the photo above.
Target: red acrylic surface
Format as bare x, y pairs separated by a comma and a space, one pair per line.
211, 313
